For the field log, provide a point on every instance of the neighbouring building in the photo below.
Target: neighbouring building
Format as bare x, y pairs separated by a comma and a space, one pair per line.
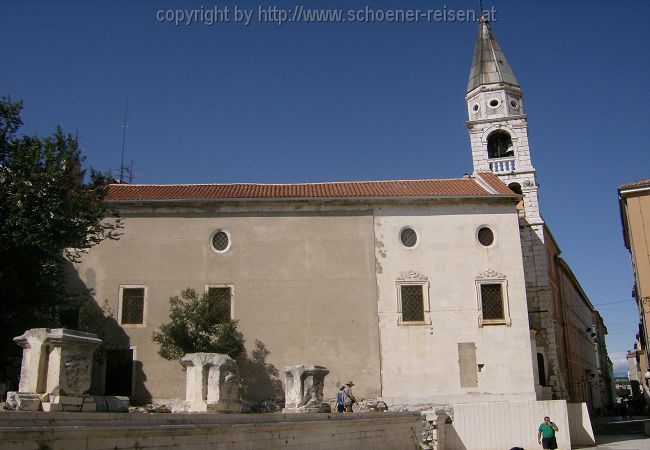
420, 291
634, 202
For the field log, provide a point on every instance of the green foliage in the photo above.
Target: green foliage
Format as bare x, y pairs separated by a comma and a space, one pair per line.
48, 214
197, 325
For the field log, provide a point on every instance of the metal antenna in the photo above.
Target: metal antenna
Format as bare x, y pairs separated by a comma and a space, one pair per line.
131, 173
480, 6
124, 126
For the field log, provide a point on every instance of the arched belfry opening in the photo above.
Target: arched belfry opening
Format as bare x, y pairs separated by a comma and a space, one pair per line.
499, 145
516, 188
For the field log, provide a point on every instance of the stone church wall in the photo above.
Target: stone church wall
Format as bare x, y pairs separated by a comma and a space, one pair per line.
303, 289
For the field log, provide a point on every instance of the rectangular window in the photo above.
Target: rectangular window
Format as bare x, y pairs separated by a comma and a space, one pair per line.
412, 302
492, 302
220, 303
132, 305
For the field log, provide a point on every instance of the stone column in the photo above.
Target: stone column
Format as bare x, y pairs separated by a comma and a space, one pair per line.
293, 389
304, 388
33, 370
211, 384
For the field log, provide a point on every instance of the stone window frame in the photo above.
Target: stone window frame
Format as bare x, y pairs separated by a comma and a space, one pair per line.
228, 235
492, 277
232, 294
417, 237
412, 278
145, 302
494, 235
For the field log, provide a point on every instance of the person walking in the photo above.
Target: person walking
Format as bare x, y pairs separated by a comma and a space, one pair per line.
546, 434
349, 398
340, 405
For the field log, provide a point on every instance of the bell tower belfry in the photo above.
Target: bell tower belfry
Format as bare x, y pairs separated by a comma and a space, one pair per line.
498, 131
497, 124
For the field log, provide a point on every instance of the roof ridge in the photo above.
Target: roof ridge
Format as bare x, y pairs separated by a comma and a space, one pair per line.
289, 184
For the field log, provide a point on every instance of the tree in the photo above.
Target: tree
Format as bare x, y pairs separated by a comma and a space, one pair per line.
198, 324
51, 211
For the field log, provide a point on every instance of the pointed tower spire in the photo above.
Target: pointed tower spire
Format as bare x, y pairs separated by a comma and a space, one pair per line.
497, 124
489, 64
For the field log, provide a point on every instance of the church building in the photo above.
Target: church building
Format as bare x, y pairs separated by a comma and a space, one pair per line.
431, 291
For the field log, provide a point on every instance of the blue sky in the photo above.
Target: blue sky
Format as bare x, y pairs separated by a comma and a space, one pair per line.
307, 102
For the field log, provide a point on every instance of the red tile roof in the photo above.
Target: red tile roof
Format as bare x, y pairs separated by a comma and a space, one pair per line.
635, 184
456, 187
495, 183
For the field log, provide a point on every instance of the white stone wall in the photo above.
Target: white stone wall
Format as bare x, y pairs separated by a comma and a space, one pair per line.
420, 363
501, 425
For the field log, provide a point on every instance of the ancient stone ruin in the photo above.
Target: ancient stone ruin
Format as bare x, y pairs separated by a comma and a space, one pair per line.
304, 389
55, 374
211, 384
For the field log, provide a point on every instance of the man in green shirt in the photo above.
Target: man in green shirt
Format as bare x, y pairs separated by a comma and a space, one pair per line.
546, 434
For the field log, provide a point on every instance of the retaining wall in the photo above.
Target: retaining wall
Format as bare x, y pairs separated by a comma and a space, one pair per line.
503, 425
97, 431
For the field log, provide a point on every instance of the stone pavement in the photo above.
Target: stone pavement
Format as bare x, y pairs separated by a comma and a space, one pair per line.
620, 442
618, 433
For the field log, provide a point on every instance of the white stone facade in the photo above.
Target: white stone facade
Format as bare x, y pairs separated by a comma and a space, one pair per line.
420, 361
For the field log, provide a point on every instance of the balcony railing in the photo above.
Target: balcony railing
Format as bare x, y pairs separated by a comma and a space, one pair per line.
502, 165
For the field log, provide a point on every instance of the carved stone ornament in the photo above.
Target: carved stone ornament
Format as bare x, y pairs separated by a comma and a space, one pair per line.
77, 372
412, 275
490, 274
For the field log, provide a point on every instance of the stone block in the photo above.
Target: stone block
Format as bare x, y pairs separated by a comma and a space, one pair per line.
52, 407
24, 401
71, 408
117, 404
66, 400
100, 403
89, 407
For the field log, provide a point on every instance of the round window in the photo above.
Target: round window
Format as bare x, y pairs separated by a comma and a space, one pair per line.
409, 237
220, 241
514, 103
476, 107
494, 103
485, 236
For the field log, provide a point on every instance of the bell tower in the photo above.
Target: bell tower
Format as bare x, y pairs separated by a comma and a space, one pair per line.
498, 127
498, 131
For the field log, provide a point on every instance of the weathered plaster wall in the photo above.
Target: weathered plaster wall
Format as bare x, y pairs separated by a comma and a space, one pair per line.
303, 285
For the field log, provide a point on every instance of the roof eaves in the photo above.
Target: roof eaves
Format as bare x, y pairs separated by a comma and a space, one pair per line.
313, 199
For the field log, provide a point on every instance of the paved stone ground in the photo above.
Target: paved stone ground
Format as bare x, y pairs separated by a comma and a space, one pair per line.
618, 433
620, 442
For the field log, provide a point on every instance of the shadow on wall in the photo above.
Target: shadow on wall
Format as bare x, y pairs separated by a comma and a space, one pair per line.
452, 440
114, 370
260, 380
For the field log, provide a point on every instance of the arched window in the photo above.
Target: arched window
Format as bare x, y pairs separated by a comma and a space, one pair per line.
499, 145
